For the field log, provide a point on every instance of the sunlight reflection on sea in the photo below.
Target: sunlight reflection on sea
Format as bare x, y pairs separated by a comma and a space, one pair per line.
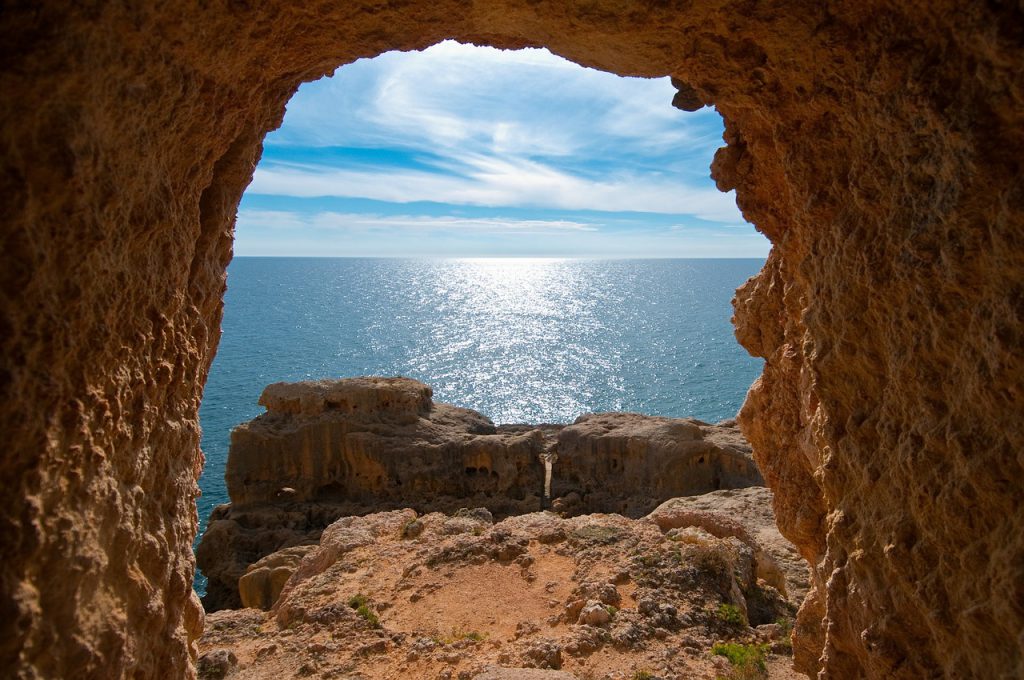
521, 340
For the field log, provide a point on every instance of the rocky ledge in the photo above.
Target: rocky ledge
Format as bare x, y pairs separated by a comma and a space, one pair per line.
332, 449
703, 587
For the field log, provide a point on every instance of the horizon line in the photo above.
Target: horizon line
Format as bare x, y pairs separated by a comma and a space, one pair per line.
489, 257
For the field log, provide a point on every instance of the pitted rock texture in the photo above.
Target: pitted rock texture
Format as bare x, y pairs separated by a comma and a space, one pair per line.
877, 145
597, 596
351, 446
628, 463
371, 441
745, 514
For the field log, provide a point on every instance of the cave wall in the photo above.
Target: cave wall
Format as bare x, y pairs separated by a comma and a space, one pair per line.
878, 146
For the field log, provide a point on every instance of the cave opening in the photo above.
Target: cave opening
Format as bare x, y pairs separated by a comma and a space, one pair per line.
877, 147
593, 271
451, 152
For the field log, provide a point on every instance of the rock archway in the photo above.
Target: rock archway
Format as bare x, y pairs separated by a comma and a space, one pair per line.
878, 145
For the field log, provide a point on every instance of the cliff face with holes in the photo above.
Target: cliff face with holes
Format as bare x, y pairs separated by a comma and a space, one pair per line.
353, 446
877, 145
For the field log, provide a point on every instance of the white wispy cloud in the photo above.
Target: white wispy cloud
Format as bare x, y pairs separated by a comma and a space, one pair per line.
525, 102
496, 182
494, 131
284, 219
326, 233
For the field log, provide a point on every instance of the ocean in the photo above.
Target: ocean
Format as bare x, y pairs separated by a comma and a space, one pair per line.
520, 340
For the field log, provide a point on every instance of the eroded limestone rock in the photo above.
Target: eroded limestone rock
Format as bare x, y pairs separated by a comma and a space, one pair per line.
745, 514
263, 581
628, 463
336, 448
593, 595
877, 145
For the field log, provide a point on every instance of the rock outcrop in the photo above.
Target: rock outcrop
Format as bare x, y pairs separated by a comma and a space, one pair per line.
745, 514
599, 596
373, 443
333, 448
628, 463
877, 145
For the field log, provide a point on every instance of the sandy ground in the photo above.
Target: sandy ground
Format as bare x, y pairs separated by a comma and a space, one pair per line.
464, 594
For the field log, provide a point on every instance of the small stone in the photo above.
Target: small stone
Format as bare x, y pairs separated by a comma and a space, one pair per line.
266, 651
545, 654
686, 98
525, 628
594, 614
216, 664
378, 647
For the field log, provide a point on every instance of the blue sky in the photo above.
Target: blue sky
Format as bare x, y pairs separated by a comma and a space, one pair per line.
465, 151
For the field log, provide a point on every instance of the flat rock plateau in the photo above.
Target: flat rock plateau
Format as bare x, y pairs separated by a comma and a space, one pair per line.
376, 534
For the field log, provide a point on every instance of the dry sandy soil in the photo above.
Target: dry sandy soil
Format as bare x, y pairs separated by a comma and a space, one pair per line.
393, 595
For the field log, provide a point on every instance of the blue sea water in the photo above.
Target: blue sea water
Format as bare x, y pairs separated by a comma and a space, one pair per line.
519, 340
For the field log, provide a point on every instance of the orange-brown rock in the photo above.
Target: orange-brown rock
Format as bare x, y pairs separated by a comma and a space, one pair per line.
261, 584
376, 442
628, 463
352, 446
876, 144
597, 596
745, 514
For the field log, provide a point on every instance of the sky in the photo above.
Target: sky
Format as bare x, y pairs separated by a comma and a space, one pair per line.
463, 151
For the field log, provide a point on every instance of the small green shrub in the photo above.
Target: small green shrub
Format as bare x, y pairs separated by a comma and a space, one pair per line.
731, 614
611, 609
597, 533
708, 559
748, 661
360, 604
368, 615
457, 635
643, 675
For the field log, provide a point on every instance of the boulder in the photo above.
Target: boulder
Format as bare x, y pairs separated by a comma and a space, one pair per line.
263, 581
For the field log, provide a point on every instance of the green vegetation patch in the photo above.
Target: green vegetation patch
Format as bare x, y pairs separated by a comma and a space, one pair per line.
457, 635
731, 614
597, 533
360, 604
749, 661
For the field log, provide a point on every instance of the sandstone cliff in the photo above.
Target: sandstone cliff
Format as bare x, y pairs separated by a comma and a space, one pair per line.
346, 447
628, 463
876, 144
376, 442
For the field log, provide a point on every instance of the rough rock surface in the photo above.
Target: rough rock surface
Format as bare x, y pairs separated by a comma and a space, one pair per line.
628, 463
594, 596
262, 583
876, 144
747, 515
332, 448
375, 441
